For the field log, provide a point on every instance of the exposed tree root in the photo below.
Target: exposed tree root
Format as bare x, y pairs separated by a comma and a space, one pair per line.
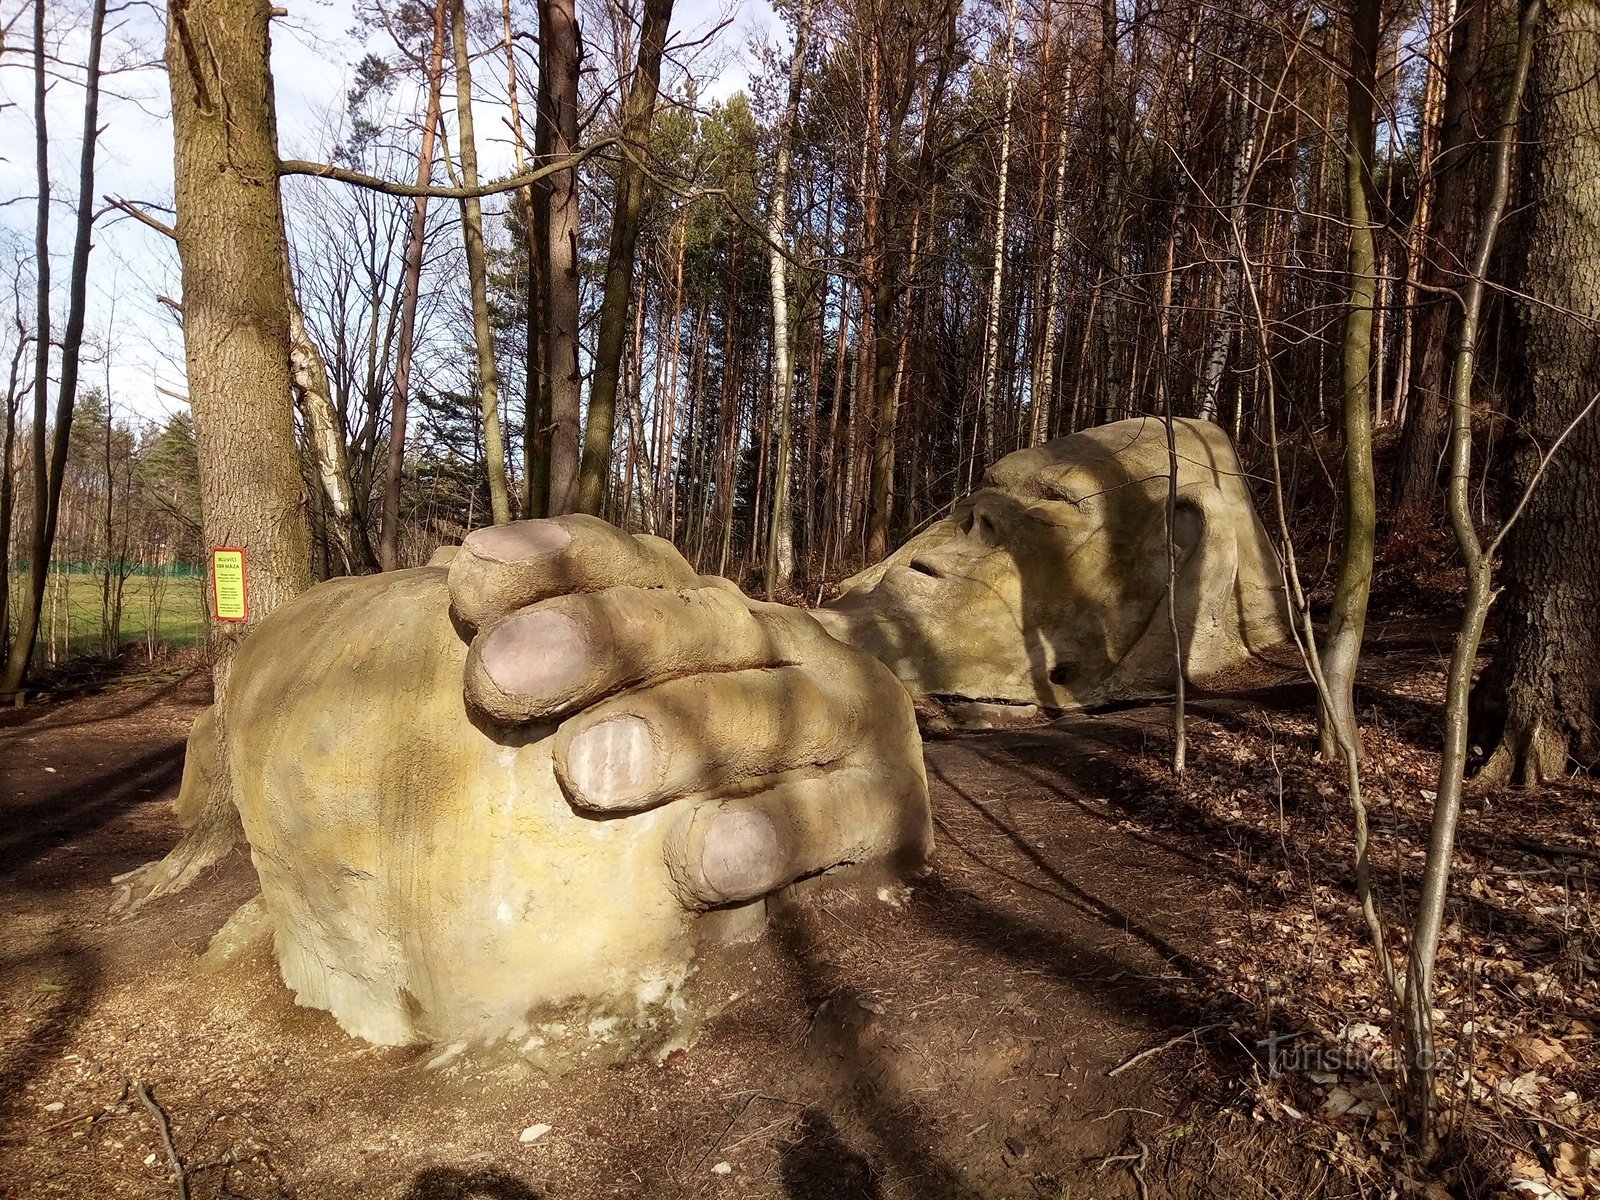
211, 827
1525, 754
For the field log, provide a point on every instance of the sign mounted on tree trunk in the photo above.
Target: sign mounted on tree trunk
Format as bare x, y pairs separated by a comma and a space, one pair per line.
230, 600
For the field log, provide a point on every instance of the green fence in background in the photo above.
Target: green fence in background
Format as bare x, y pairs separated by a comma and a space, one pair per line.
19, 566
162, 606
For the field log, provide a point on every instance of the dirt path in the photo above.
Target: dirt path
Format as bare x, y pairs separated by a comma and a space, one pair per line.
956, 1047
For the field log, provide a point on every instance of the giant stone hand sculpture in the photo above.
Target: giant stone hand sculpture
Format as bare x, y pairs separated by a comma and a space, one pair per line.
639, 752
516, 797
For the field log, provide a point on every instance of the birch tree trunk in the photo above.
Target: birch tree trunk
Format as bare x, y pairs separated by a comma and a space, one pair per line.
780, 533
991, 336
1216, 358
1044, 377
310, 374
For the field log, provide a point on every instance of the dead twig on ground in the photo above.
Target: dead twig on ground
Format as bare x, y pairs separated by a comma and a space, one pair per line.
165, 1128
1554, 850
91, 1117
1166, 1045
1136, 1166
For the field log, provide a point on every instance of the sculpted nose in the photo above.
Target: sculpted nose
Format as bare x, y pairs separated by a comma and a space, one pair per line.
978, 521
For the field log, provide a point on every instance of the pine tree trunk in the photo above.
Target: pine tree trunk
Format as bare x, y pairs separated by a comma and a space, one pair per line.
411, 287
638, 112
1416, 472
558, 103
494, 442
1539, 703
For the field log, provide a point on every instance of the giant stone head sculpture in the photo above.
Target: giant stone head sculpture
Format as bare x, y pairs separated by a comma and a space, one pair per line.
1049, 585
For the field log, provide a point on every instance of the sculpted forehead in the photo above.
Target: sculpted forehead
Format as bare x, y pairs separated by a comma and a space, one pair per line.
1127, 461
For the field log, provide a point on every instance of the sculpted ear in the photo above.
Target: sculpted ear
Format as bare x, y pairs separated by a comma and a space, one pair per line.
1189, 523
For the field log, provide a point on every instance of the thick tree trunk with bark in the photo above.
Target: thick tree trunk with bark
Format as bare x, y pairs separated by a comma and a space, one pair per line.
637, 114
1539, 703
559, 52
236, 342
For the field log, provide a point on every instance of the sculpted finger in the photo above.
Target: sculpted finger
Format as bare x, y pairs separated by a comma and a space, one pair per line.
706, 734
565, 653
731, 850
506, 567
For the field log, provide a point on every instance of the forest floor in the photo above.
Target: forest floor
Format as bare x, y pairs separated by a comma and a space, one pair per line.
986, 1039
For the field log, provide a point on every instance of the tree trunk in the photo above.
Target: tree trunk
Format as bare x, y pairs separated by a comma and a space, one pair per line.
1228, 312
15, 389
32, 596
637, 114
533, 371
389, 534
494, 442
1044, 376
328, 444
1341, 653
47, 482
780, 534
1539, 702
237, 346
997, 273
558, 109
1421, 1063
1416, 471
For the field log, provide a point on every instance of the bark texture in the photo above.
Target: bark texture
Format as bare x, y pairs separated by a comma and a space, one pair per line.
559, 53
237, 345
394, 471
1341, 653
1416, 472
780, 535
637, 114
1539, 703
494, 443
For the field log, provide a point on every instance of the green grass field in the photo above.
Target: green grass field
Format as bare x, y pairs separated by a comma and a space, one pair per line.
172, 604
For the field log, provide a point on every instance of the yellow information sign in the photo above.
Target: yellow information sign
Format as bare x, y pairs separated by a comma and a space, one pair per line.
227, 585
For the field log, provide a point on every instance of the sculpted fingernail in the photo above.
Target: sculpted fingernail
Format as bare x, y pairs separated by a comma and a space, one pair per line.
742, 856
541, 654
616, 763
518, 540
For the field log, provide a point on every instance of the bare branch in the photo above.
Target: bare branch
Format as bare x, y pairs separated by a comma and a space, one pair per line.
295, 166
